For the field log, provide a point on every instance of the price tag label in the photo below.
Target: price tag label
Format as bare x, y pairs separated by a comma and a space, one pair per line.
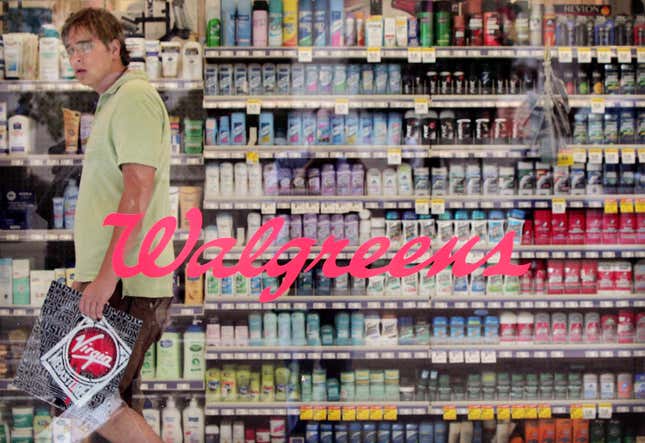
603, 55
349, 413
305, 55
640, 55
565, 158
474, 413
422, 206
414, 55
488, 413
421, 105
584, 55
488, 357
376, 413
580, 155
472, 357
626, 205
333, 413
252, 158
611, 206
565, 55
641, 154
611, 156
374, 55
306, 413
449, 413
597, 105
589, 412
456, 356
394, 156
544, 411
624, 54
439, 357
363, 413
604, 410
438, 206
531, 412
595, 155
268, 208
390, 413
640, 205
503, 413
253, 106
576, 412
518, 412
320, 413
628, 156
429, 55
341, 106
558, 205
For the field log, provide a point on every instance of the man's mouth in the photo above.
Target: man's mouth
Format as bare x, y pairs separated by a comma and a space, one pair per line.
80, 71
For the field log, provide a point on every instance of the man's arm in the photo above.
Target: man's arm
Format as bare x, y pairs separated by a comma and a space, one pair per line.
138, 187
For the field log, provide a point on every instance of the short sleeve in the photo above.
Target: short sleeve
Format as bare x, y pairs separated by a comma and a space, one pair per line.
137, 127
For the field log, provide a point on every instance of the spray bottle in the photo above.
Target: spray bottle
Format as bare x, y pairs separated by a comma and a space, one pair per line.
275, 23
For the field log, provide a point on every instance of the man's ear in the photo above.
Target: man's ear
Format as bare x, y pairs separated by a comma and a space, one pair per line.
115, 48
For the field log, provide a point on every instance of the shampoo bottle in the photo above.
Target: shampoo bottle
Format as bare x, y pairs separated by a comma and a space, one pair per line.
169, 355
194, 362
152, 416
171, 422
193, 423
290, 23
260, 23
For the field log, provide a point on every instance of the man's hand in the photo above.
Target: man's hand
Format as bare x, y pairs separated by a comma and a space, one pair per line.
95, 297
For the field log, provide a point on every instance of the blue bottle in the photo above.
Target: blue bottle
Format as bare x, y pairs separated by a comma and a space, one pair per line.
238, 128
244, 26
365, 128
224, 134
337, 130
294, 128
266, 129
228, 13
321, 28
305, 22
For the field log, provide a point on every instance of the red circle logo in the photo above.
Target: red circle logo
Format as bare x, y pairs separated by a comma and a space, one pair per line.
91, 353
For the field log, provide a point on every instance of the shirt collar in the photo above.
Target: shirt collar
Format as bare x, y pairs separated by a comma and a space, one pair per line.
126, 77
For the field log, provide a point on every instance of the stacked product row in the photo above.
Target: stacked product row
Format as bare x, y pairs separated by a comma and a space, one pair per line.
460, 178
358, 329
288, 383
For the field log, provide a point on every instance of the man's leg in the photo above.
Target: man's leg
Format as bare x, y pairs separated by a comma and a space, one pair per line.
128, 423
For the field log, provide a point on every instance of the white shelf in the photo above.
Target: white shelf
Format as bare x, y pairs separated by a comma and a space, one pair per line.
380, 352
313, 101
293, 408
75, 86
77, 159
326, 53
47, 235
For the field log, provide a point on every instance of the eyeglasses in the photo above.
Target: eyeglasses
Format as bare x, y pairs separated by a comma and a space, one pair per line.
81, 48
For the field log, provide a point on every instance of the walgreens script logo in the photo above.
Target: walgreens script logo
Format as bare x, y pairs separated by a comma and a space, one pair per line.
86, 359
91, 353
405, 261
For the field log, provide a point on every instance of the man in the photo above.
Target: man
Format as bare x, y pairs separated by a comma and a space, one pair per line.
126, 169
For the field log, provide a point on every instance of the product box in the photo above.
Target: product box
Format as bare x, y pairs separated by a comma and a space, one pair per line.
19, 209
580, 431
622, 276
593, 231
609, 229
559, 229
238, 432
576, 221
21, 282
546, 431
605, 277
563, 430
572, 284
588, 277
542, 226
639, 386
639, 276
627, 228
555, 277
39, 282
531, 431
6, 283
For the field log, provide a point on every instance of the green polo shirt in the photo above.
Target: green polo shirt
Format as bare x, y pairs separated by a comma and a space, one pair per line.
130, 126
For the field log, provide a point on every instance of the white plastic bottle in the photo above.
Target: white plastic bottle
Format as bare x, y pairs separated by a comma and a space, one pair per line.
194, 342
193, 423
48, 57
70, 196
171, 423
152, 416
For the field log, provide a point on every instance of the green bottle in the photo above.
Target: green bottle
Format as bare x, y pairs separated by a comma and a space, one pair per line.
424, 17
214, 33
